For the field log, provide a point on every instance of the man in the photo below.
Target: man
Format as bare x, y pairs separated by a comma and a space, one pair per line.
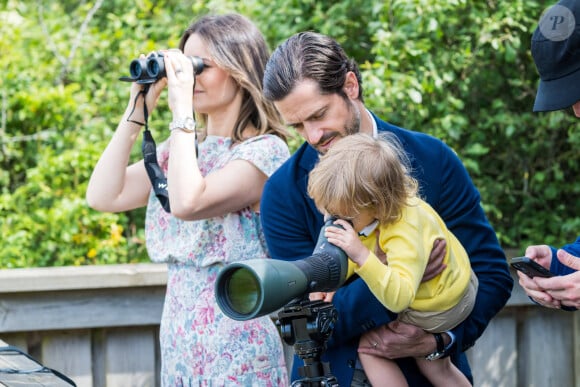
318, 91
556, 53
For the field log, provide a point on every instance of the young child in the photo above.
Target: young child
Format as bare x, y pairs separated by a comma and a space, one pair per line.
366, 183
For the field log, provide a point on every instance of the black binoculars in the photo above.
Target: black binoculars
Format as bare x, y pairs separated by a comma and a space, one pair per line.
150, 69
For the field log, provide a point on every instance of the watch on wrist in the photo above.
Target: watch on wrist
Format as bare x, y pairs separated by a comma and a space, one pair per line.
440, 351
186, 124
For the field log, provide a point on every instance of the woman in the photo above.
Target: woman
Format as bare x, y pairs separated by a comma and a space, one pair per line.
214, 190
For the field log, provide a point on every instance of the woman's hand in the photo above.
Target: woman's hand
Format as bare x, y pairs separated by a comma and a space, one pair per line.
135, 107
180, 81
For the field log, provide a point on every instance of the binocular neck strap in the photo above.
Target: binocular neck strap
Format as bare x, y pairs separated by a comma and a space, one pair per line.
149, 150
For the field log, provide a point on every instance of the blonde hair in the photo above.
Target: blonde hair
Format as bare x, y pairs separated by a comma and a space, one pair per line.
360, 172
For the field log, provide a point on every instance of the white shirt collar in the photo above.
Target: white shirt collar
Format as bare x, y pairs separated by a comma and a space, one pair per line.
368, 230
375, 129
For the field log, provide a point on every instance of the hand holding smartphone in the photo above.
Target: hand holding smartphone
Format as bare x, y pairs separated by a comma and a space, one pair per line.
530, 267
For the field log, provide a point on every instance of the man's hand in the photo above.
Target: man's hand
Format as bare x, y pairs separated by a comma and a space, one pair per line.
560, 290
536, 292
435, 265
541, 254
397, 339
322, 296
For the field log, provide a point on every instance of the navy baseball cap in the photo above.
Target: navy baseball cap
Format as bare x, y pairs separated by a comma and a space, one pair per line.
556, 53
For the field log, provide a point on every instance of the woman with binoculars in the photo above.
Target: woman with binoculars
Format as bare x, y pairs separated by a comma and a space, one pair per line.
213, 190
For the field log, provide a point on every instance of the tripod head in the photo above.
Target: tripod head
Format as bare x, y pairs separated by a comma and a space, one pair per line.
306, 325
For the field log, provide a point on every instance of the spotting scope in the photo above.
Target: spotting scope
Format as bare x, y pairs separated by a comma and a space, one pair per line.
256, 287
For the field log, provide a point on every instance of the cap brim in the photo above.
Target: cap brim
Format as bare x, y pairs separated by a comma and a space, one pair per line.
558, 94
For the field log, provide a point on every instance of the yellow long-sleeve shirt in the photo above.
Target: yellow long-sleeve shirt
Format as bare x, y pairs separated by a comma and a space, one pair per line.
408, 244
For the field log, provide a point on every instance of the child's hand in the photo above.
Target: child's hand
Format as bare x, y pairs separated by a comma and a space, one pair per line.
347, 239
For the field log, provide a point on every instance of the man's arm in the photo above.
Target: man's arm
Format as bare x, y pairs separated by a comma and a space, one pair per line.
290, 227
449, 189
359, 311
459, 206
558, 267
446, 186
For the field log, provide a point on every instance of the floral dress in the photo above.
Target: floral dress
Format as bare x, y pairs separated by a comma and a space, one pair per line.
200, 346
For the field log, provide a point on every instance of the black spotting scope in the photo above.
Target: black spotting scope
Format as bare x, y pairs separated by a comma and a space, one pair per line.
256, 287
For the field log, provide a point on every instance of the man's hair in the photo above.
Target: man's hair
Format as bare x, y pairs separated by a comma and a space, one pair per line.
360, 172
238, 47
308, 55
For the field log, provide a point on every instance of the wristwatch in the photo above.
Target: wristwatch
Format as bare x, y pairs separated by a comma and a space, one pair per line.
441, 350
186, 124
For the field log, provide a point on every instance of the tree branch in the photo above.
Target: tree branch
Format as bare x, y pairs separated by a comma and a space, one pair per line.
76, 42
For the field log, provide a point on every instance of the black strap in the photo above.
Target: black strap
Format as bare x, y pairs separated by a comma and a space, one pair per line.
158, 179
439, 341
149, 150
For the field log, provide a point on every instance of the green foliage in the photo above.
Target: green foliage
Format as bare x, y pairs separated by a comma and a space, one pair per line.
462, 71
458, 70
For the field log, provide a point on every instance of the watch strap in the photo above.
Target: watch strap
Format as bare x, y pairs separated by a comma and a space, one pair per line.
186, 124
439, 341
440, 350
447, 349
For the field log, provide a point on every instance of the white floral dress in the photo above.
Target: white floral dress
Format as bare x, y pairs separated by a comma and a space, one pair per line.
200, 346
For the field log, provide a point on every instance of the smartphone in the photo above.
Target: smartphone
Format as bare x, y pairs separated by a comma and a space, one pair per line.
530, 267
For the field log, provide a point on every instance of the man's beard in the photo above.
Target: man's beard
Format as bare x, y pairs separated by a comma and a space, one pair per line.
352, 126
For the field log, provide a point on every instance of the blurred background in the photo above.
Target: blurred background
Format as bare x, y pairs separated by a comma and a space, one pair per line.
459, 70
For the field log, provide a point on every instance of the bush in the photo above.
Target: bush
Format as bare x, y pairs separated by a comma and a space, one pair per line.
459, 70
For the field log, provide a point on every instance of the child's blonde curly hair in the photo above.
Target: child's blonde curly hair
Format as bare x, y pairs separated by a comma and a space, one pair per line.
360, 172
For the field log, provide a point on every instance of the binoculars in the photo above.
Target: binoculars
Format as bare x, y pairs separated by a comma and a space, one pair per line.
152, 68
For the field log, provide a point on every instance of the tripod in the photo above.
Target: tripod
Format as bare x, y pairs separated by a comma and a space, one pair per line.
306, 325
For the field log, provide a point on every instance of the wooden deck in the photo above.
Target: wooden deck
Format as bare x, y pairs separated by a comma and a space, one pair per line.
99, 325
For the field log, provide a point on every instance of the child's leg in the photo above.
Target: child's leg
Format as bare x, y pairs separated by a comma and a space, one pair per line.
380, 371
442, 373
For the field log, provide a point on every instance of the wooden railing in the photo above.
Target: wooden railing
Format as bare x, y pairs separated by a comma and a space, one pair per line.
99, 326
